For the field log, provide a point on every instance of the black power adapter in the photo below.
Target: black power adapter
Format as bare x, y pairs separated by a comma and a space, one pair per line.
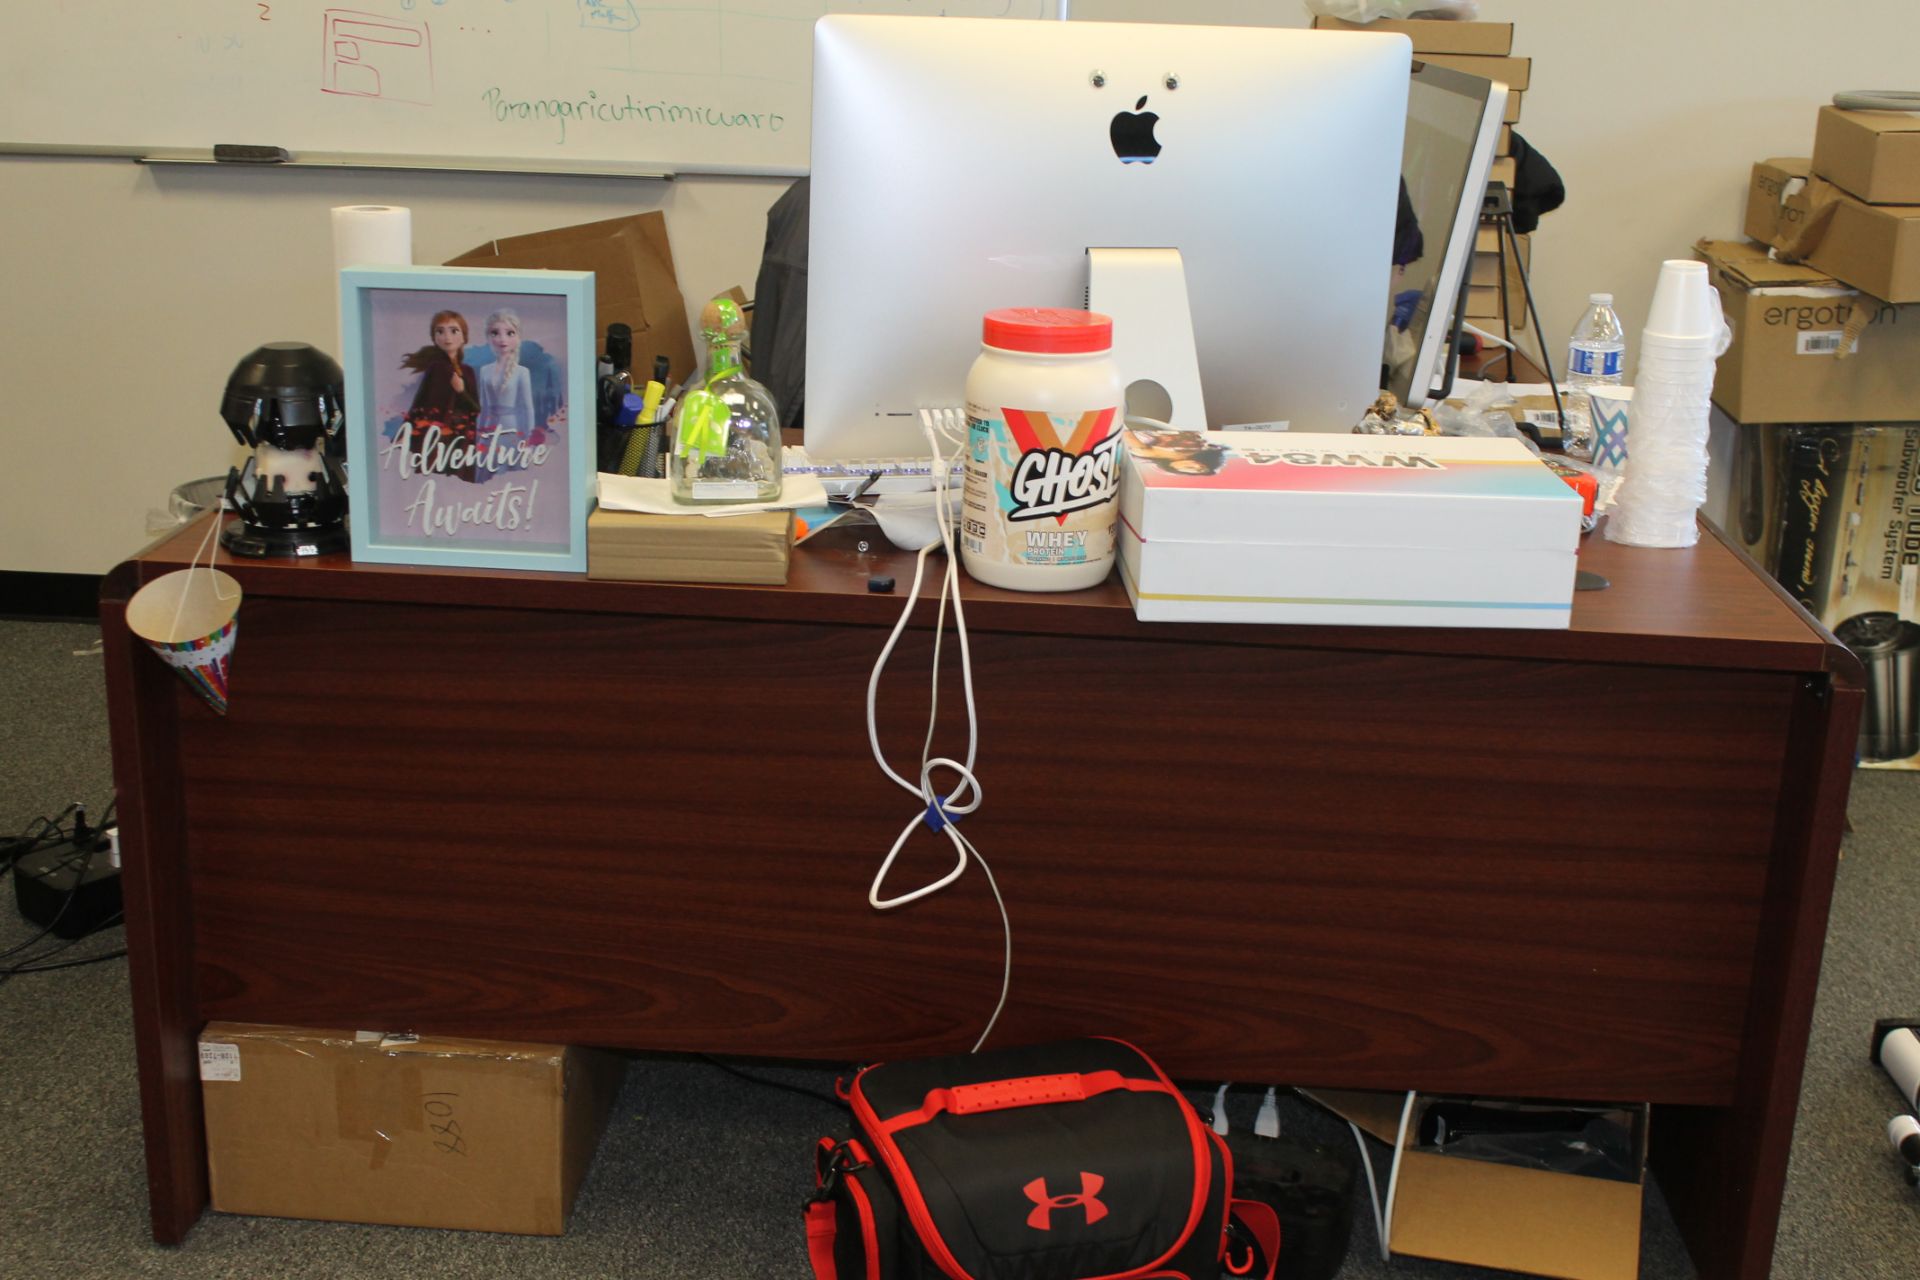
72, 888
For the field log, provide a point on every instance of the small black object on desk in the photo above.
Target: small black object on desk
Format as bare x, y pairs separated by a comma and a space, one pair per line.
880, 584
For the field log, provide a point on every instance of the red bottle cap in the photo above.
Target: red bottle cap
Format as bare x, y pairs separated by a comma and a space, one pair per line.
1047, 331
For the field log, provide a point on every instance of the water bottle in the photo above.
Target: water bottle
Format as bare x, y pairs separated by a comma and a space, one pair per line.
1596, 357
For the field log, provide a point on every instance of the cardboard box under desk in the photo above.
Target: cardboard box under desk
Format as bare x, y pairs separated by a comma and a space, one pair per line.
1494, 39
1873, 155
1505, 1216
1873, 247
480, 1135
631, 546
1789, 324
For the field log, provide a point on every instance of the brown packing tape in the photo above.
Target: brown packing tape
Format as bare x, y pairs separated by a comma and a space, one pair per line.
1802, 238
1864, 310
376, 1100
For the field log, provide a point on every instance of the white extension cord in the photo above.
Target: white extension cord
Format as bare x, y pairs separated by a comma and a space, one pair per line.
940, 814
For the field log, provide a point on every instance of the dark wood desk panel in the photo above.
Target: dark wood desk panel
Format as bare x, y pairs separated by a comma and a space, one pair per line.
1540, 863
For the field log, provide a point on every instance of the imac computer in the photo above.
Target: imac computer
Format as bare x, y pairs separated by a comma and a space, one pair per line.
1453, 124
966, 164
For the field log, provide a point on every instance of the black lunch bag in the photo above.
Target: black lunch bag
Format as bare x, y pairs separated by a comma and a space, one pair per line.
1072, 1161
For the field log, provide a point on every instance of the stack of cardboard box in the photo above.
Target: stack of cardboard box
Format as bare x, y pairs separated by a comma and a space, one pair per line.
1820, 393
1481, 49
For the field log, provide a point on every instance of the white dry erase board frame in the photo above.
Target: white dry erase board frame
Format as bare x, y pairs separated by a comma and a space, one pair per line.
645, 88
466, 474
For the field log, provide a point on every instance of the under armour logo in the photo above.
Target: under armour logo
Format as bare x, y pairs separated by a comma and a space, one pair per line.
1041, 1219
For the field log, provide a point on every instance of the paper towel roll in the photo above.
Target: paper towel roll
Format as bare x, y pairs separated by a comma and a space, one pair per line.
372, 235
367, 235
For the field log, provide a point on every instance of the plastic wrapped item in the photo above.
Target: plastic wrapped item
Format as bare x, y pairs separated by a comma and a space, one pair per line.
1372, 10
1479, 414
186, 504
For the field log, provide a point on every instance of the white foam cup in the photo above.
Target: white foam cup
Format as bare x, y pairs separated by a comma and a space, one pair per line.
1684, 303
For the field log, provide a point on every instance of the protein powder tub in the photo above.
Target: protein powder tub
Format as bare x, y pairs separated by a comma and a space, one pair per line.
1043, 455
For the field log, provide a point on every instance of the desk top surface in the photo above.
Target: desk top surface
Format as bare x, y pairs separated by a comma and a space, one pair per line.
1705, 605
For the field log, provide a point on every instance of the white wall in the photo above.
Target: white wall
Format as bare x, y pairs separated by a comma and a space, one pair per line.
131, 292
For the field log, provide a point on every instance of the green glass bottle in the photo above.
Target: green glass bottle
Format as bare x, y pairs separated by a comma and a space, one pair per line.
726, 430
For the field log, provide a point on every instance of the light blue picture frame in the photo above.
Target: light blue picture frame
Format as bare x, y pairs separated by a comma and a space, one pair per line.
451, 515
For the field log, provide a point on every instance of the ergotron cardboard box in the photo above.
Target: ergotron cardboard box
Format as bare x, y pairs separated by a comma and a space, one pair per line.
1791, 323
1576, 1226
1874, 155
1849, 550
482, 1135
1872, 247
1428, 531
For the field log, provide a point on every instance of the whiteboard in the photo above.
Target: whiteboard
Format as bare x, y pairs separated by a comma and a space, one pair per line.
693, 86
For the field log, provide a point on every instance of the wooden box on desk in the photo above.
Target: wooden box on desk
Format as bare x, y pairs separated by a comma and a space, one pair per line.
630, 546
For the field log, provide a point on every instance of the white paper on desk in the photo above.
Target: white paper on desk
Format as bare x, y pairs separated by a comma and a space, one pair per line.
655, 497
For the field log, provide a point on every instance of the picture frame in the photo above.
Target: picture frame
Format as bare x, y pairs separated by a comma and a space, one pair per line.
470, 415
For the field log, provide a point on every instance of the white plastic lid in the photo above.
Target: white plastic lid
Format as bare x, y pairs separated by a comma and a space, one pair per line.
1600, 299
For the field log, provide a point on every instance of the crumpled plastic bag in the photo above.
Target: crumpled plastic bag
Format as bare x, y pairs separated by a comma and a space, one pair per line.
1477, 415
1371, 10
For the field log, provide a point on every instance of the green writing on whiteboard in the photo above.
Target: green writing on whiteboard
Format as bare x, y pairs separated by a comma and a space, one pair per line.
625, 110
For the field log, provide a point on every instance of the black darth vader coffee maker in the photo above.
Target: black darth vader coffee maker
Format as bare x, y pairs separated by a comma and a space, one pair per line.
286, 402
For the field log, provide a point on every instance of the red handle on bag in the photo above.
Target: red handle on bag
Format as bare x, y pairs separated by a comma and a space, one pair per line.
1022, 1091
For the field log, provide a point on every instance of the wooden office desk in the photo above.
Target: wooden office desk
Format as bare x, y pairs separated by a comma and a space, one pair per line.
1593, 863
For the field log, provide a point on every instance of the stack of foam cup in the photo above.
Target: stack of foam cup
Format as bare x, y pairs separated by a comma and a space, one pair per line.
1666, 474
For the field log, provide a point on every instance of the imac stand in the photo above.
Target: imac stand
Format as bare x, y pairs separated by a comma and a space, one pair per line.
1145, 292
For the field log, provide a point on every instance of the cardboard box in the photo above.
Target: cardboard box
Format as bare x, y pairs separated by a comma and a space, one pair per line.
1874, 248
1483, 303
633, 279
1790, 325
1873, 155
1849, 551
1772, 217
1514, 1218
1512, 114
631, 546
480, 1135
1249, 526
1433, 35
1505, 146
1505, 169
1515, 73
1485, 269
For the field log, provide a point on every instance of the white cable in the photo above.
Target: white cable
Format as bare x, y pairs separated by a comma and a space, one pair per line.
1393, 1174
1383, 1215
941, 815
1373, 1190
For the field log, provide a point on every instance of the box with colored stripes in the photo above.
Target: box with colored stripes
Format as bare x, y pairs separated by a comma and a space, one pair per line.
1345, 529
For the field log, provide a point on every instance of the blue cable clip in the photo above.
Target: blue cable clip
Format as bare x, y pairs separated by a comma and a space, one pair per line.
937, 815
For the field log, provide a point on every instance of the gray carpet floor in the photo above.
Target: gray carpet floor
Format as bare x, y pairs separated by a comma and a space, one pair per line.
701, 1173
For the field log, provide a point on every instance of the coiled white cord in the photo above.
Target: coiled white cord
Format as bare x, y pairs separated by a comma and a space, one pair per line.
940, 814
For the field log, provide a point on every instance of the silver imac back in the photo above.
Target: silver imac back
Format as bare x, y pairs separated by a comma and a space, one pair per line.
962, 164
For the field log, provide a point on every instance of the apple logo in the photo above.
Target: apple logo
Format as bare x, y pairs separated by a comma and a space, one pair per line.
1132, 134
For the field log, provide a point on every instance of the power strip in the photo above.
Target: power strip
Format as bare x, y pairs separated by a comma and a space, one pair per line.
70, 889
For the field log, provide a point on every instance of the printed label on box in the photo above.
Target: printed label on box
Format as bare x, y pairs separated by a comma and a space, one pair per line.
219, 1062
1824, 344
